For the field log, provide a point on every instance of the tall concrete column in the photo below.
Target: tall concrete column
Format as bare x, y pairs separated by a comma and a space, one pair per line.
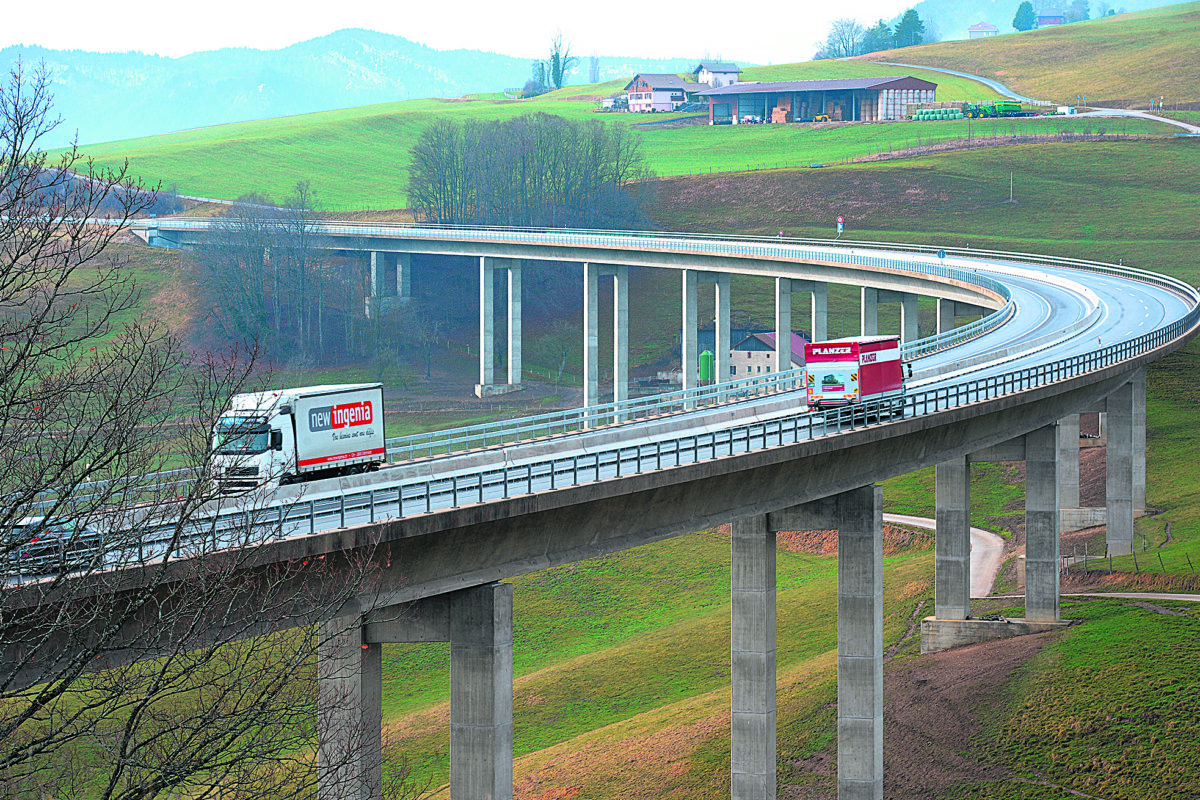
1068, 461
869, 312
1138, 382
858, 517
1119, 478
514, 323
403, 274
952, 546
687, 342
591, 334
721, 357
481, 674
621, 334
752, 637
820, 311
1041, 525
783, 323
945, 315
377, 260
909, 328
860, 644
487, 335
349, 713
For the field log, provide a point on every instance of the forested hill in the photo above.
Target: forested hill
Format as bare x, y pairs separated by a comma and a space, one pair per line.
108, 96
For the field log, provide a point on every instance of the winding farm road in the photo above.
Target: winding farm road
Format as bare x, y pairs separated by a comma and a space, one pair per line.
987, 551
1009, 93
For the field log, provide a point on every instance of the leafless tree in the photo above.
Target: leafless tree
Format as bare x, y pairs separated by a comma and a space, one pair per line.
561, 62
844, 39
536, 169
145, 650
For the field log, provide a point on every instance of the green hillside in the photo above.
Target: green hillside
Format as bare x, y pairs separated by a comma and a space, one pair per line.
358, 161
1124, 60
357, 158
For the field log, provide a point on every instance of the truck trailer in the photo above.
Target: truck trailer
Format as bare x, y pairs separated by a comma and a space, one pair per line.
854, 370
289, 435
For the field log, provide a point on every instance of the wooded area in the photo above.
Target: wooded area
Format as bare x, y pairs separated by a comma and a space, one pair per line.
535, 170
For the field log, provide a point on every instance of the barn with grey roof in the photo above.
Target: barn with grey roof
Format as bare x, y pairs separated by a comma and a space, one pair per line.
845, 99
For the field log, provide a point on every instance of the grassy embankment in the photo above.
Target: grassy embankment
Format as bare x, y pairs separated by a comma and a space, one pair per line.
1126, 60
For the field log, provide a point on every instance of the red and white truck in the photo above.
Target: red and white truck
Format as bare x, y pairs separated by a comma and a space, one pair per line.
290, 435
854, 370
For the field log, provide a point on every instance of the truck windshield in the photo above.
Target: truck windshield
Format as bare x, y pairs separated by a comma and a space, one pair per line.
241, 436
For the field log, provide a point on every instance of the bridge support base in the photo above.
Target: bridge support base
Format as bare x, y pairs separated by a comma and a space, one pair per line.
943, 634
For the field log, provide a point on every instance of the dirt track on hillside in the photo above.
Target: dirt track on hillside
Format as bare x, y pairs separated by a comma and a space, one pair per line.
933, 707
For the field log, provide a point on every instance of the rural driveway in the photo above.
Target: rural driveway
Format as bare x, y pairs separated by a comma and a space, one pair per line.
1007, 92
987, 549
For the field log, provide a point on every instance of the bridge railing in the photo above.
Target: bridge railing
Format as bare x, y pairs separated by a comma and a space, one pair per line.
502, 432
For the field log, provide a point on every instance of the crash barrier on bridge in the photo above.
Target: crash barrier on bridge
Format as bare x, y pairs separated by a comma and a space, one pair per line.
401, 500
502, 432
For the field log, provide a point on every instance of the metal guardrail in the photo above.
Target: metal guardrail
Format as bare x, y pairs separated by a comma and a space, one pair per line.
502, 432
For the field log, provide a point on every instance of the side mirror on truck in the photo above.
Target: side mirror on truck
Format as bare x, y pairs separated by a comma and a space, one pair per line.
276, 440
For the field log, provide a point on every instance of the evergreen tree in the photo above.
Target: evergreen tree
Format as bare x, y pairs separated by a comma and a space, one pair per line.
878, 37
1025, 18
909, 29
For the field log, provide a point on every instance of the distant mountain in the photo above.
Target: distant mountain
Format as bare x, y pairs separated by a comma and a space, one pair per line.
951, 18
109, 96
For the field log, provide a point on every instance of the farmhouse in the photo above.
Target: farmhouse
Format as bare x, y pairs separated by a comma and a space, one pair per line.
654, 92
755, 355
982, 30
1049, 18
716, 73
846, 99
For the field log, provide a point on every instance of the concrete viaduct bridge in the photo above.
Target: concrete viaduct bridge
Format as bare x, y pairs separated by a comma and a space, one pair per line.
1059, 337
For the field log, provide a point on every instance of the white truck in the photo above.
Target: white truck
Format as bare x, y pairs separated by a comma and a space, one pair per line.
289, 435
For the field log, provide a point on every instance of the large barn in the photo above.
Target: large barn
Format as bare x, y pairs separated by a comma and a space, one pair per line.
846, 99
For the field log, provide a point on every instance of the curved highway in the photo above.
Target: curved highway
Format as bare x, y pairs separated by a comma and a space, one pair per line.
1062, 313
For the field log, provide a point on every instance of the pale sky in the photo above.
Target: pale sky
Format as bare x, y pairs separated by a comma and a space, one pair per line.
764, 31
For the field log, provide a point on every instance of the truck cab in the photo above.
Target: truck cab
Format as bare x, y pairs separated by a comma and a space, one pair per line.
288, 435
253, 442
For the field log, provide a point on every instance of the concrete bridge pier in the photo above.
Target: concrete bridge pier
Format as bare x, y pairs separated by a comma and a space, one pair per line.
871, 298
688, 353
952, 545
951, 625
858, 517
591, 332
752, 644
818, 324
720, 281
477, 622
869, 311
1119, 468
1138, 384
487, 385
909, 328
949, 310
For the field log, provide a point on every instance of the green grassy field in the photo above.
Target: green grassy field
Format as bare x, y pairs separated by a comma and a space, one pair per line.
619, 644
1125, 60
1107, 710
